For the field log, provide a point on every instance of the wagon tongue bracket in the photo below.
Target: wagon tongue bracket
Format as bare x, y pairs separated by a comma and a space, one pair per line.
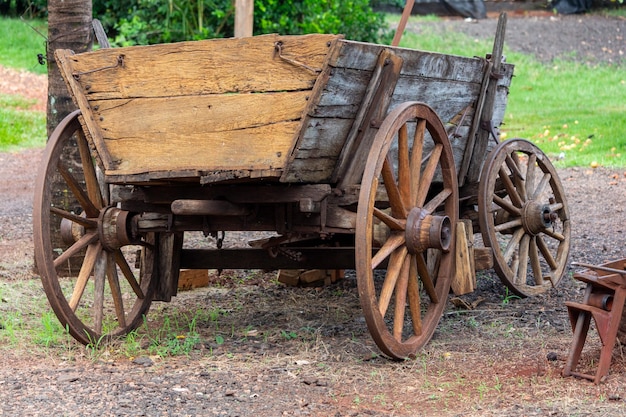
426, 231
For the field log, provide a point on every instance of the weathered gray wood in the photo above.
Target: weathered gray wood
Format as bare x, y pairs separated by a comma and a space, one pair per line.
449, 84
378, 96
487, 113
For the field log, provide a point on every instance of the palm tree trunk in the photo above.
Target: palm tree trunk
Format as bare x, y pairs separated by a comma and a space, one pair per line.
69, 27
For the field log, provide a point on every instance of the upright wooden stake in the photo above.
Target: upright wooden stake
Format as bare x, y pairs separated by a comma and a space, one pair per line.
408, 7
244, 14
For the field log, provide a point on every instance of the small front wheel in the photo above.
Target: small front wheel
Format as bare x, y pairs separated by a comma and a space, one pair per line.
524, 217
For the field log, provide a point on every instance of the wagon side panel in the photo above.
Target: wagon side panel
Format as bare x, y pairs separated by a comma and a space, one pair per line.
449, 84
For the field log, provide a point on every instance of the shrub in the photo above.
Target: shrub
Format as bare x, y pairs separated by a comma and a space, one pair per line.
157, 21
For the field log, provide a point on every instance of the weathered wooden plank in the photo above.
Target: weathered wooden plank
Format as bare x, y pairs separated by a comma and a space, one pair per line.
449, 84
189, 115
201, 67
376, 102
315, 170
322, 137
263, 147
362, 56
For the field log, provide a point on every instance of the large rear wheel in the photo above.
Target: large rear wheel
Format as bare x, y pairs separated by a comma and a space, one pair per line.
98, 278
406, 218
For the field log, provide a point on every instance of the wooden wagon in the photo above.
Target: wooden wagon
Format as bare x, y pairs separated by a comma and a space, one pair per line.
352, 155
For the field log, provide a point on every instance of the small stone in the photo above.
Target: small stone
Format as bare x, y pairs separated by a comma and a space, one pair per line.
143, 361
552, 356
68, 378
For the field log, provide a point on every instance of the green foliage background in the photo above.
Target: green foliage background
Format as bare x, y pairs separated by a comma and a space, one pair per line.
132, 22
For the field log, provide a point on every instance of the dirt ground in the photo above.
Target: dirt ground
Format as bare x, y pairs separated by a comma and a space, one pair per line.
306, 351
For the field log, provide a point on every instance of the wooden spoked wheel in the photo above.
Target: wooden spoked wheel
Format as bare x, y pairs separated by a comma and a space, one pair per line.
406, 218
94, 277
524, 217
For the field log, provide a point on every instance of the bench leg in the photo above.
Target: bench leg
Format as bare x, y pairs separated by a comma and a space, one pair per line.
578, 342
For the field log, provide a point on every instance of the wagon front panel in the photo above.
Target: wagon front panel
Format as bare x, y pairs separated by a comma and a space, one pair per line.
196, 108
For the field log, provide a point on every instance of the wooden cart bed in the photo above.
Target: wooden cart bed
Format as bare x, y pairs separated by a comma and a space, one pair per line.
268, 107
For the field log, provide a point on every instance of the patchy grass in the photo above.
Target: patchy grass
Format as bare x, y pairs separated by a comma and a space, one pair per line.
20, 128
573, 112
21, 42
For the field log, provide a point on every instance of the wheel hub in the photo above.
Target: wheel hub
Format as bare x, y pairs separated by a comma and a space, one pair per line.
425, 231
114, 228
71, 231
537, 217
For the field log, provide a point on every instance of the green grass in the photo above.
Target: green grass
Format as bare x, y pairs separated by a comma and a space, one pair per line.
20, 44
573, 112
20, 128
570, 111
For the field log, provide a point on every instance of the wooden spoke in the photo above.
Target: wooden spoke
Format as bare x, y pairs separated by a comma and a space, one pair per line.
128, 274
416, 158
556, 207
428, 175
513, 244
542, 186
393, 192
414, 298
517, 175
99, 272
393, 243
78, 192
408, 180
547, 255
425, 277
400, 302
83, 221
437, 200
515, 223
506, 205
93, 251
404, 167
391, 222
116, 290
510, 188
530, 175
535, 262
86, 240
89, 171
555, 235
523, 259
396, 263
512, 162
